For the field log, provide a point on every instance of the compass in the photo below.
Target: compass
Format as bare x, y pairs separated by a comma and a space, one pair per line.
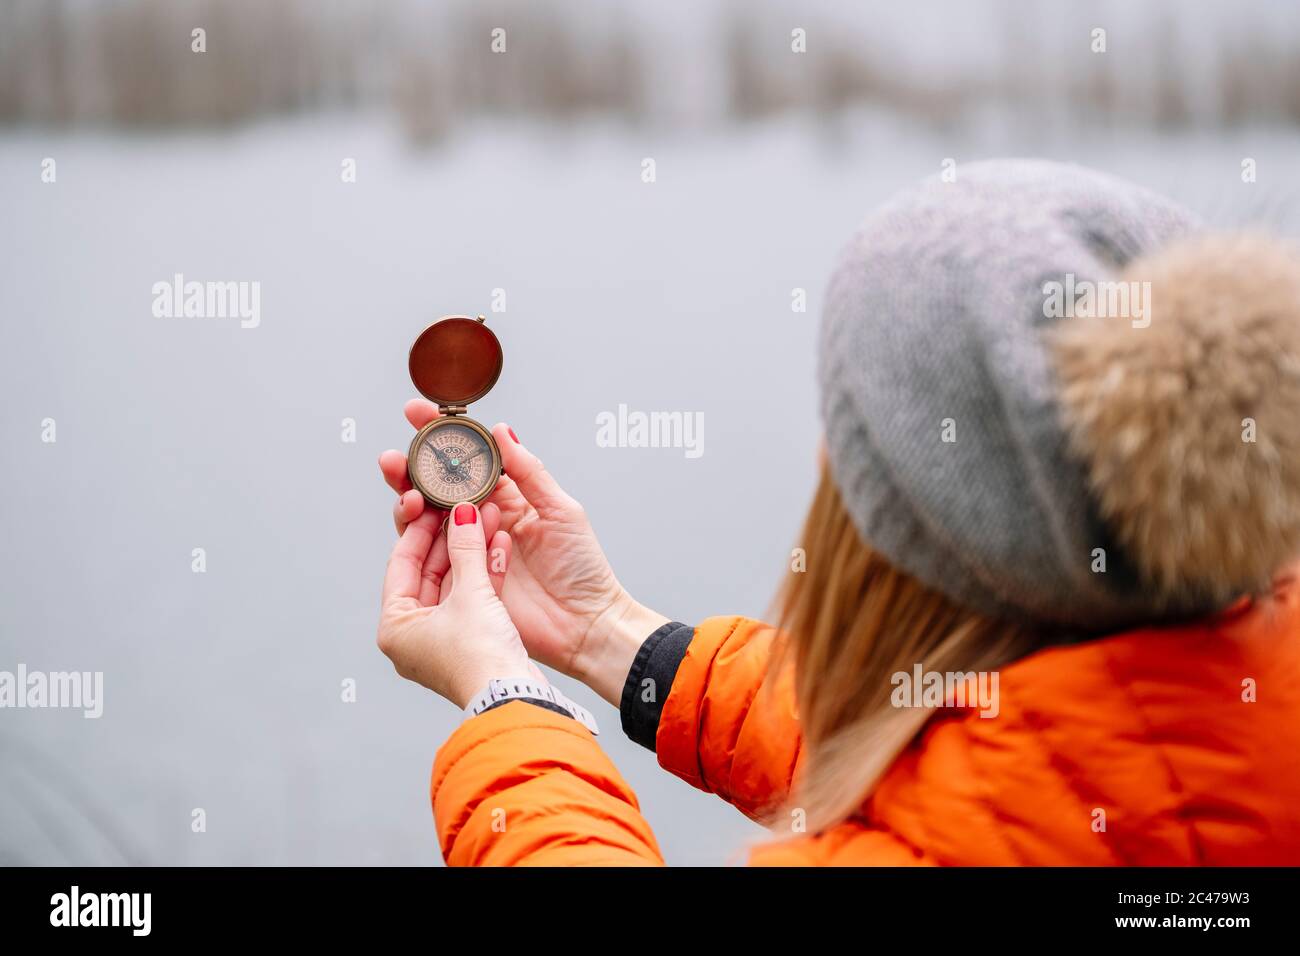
454, 459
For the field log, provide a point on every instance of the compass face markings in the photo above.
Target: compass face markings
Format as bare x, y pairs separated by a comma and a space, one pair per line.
453, 463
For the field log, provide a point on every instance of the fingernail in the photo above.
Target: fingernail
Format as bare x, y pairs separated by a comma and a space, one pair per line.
466, 514
512, 434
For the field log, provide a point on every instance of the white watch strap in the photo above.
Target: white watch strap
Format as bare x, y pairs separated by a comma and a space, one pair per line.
525, 688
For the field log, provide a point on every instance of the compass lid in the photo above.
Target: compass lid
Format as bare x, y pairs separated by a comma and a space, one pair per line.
456, 360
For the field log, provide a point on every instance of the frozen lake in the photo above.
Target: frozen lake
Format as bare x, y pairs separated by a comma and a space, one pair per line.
222, 690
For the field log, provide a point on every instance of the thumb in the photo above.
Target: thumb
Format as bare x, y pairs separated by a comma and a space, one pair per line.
466, 548
530, 476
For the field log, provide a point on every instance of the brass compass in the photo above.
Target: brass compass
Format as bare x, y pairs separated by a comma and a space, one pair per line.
454, 459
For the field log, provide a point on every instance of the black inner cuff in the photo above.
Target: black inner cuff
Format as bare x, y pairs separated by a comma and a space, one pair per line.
650, 680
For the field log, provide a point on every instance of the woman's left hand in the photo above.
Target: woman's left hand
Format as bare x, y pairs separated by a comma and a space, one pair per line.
450, 632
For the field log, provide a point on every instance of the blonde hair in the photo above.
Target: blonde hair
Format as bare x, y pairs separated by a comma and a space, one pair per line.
849, 622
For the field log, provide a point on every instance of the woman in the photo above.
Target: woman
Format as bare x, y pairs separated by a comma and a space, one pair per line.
1044, 617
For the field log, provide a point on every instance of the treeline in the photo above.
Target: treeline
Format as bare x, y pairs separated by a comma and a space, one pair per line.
132, 63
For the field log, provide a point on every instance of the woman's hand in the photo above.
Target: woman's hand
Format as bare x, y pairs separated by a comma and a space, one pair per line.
560, 591
442, 623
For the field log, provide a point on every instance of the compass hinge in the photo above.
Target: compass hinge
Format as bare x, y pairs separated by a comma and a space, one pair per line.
452, 409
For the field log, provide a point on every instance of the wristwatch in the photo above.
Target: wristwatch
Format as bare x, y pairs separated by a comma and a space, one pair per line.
521, 688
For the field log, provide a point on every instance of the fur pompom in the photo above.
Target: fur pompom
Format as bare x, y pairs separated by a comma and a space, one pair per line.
1189, 426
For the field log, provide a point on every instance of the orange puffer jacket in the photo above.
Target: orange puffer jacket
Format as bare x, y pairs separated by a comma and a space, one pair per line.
1187, 738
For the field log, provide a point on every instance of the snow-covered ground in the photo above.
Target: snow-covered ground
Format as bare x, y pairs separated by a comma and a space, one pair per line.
223, 689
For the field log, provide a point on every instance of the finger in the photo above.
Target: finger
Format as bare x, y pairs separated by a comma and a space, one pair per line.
498, 560
530, 475
492, 522
510, 500
408, 507
438, 564
434, 576
392, 465
420, 411
467, 548
491, 519
402, 579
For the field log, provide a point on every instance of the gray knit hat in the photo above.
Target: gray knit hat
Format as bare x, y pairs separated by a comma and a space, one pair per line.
990, 448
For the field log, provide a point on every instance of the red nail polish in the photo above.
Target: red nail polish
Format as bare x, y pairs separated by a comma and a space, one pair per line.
465, 514
512, 434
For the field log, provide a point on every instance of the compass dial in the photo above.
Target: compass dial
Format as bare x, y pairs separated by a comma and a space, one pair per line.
452, 461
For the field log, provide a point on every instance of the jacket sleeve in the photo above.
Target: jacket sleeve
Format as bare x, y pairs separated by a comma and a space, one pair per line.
521, 786
728, 723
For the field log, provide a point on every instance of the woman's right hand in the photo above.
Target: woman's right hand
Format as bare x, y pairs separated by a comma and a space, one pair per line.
570, 609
